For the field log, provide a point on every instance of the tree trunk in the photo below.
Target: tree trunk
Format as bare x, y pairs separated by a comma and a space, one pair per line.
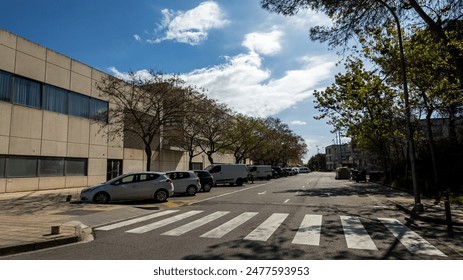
148, 153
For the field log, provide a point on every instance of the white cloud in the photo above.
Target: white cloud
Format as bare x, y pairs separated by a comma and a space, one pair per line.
264, 43
193, 26
140, 74
246, 87
137, 37
298, 123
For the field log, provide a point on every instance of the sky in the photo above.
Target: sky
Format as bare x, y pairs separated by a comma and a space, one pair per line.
258, 63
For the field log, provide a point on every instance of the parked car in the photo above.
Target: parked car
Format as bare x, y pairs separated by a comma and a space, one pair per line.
289, 171
304, 170
185, 182
342, 173
279, 171
228, 173
131, 186
261, 171
206, 179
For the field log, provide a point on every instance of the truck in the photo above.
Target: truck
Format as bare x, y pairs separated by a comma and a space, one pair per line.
263, 172
228, 173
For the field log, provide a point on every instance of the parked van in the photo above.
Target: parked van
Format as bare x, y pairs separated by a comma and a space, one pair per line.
228, 173
261, 171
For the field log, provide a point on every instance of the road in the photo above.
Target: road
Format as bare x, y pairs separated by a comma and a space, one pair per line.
308, 216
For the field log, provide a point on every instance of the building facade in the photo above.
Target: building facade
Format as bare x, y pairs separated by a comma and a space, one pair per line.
48, 138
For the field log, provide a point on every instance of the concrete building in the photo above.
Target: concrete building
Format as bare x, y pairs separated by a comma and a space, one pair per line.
47, 137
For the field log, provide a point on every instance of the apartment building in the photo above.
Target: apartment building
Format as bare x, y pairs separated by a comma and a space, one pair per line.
48, 138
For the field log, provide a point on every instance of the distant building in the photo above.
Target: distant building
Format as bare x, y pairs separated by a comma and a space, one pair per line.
338, 156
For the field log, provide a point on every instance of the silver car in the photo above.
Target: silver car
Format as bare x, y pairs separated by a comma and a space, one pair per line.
131, 186
185, 182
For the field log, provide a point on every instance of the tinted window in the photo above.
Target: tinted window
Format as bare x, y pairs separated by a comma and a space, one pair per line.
78, 105
76, 167
98, 110
51, 167
126, 180
21, 167
27, 92
5, 86
55, 99
2, 166
148, 177
215, 169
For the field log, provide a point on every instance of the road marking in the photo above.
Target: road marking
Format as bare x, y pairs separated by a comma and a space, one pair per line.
264, 192
412, 241
286, 201
220, 231
137, 220
195, 224
164, 222
356, 235
267, 228
309, 231
170, 204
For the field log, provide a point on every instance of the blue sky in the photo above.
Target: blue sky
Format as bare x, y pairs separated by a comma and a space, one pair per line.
256, 62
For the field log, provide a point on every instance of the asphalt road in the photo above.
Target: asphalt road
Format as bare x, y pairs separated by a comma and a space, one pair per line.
308, 216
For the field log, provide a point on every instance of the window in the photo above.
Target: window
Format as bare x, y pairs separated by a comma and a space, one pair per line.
51, 167
99, 110
78, 105
127, 179
5, 86
21, 167
76, 167
196, 166
2, 167
55, 99
27, 92
148, 177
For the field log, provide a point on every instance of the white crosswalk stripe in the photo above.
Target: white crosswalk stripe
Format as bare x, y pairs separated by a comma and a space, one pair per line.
220, 231
309, 231
196, 224
267, 228
412, 241
356, 235
136, 220
164, 222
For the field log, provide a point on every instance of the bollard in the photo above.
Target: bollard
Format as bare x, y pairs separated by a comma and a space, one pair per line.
448, 214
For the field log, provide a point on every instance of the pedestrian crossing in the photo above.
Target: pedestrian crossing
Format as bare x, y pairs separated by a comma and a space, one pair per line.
309, 231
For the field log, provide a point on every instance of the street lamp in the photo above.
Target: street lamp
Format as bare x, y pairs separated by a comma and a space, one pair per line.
418, 207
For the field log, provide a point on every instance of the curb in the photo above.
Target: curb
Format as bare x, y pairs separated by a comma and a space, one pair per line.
38, 245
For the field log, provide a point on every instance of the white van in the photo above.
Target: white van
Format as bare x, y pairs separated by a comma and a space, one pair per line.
261, 171
228, 173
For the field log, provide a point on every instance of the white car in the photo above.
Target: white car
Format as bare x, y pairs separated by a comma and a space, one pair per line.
185, 182
304, 170
131, 186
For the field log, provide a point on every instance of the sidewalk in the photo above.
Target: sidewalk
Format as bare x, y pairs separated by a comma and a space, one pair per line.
41, 219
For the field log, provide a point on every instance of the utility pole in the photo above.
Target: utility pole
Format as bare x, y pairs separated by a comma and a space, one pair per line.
418, 207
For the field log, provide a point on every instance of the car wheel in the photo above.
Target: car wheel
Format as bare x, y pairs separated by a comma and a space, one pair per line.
161, 196
101, 197
191, 190
207, 188
239, 182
